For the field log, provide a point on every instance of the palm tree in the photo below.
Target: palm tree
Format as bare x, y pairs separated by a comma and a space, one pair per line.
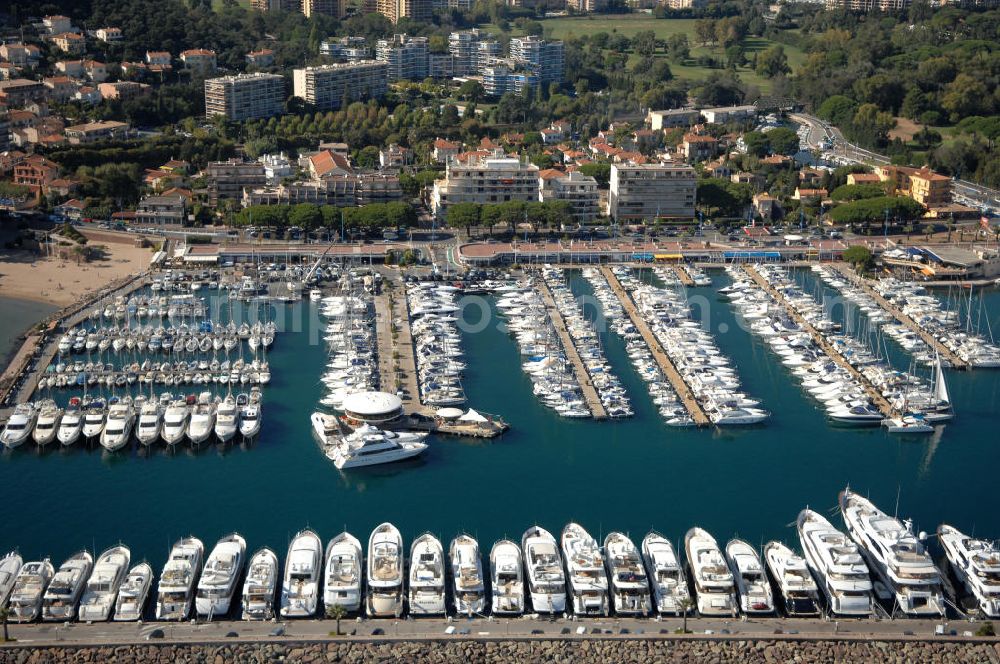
687, 604
4, 614
336, 612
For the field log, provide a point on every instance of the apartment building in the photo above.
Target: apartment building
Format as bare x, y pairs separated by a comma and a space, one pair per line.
228, 179
698, 147
109, 35
70, 42
472, 50
245, 96
17, 92
92, 132
260, 58
577, 189
199, 60
346, 49
485, 179
923, 185
544, 58
328, 86
644, 192
672, 118
123, 90
161, 211
502, 77
868, 5
587, 6
333, 8
405, 57
418, 10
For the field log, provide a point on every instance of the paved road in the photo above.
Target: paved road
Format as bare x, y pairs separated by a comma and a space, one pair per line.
527, 627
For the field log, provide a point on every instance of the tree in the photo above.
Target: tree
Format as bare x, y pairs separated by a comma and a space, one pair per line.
336, 612
858, 256
856, 192
704, 28
471, 91
965, 96
837, 109
687, 604
678, 48
463, 215
306, 216
783, 141
599, 171
368, 157
772, 62
644, 43
757, 143
4, 615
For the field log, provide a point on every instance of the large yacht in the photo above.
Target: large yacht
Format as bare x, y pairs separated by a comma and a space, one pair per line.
147, 429
840, 571
977, 565
20, 425
71, 424
713, 581
344, 565
506, 580
105, 581
790, 572
629, 585
544, 571
588, 582
670, 591
64, 592
47, 424
94, 416
752, 586
303, 569
175, 422
385, 572
368, 446
250, 414
469, 588
261, 585
427, 590
202, 422
221, 576
10, 565
118, 428
894, 555
227, 419
177, 582
134, 592
25, 603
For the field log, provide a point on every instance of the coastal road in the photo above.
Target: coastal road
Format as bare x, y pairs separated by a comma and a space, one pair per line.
483, 628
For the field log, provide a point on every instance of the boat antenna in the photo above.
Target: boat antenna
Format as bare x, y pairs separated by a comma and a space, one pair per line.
899, 489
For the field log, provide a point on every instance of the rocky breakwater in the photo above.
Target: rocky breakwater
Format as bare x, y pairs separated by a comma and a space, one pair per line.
584, 651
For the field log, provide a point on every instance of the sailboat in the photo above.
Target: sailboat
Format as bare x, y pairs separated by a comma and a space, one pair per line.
941, 410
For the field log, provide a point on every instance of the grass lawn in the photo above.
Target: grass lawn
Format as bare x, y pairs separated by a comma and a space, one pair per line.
623, 24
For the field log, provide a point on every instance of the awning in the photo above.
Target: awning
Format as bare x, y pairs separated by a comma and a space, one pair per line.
472, 416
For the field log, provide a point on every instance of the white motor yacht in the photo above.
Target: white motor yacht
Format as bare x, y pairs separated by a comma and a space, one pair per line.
64, 592
10, 565
839, 569
20, 425
752, 586
25, 601
629, 584
385, 572
227, 419
250, 414
220, 577
133, 593
426, 583
71, 424
147, 429
588, 582
99, 598
670, 591
798, 589
506, 576
544, 571
261, 586
976, 563
343, 569
175, 422
468, 586
94, 416
303, 569
713, 580
202, 422
47, 424
368, 446
895, 556
118, 428
176, 590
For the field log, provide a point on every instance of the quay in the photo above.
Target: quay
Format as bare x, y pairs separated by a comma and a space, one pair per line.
683, 390
582, 376
895, 312
396, 356
683, 275
880, 401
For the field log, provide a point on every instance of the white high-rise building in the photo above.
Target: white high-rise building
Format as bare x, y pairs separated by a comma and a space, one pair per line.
245, 96
328, 86
405, 57
485, 180
645, 192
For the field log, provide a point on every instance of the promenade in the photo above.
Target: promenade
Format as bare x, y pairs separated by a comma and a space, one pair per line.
396, 359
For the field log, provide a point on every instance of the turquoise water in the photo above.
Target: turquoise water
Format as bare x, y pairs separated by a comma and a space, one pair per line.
16, 316
629, 475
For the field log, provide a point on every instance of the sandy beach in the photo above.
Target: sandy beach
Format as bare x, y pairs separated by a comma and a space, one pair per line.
28, 276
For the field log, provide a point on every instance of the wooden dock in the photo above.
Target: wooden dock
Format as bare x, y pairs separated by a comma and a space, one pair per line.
894, 311
683, 275
396, 357
876, 396
683, 390
582, 376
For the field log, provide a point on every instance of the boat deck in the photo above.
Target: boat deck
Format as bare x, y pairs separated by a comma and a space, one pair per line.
684, 392
590, 394
894, 311
880, 401
683, 275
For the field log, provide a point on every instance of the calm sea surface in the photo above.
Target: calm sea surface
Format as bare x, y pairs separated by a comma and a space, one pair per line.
631, 475
15, 317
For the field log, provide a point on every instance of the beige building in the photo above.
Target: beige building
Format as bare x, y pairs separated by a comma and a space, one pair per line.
485, 179
245, 96
644, 192
228, 179
199, 60
418, 10
161, 211
70, 42
868, 5
333, 8
109, 35
577, 189
923, 185
328, 86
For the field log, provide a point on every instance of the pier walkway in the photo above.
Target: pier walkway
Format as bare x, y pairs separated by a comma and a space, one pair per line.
683, 275
894, 311
880, 401
582, 376
396, 358
683, 390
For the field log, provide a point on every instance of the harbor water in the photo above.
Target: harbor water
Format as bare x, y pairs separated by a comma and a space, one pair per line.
632, 475
16, 316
